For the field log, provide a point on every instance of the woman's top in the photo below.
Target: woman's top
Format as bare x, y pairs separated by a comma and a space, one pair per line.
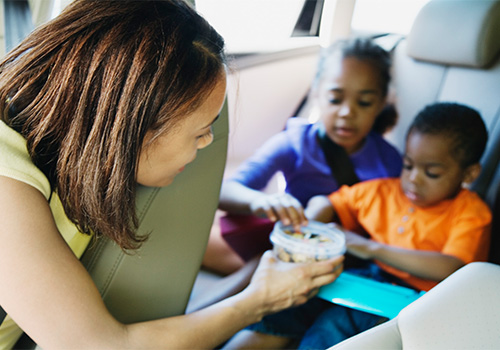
297, 154
16, 163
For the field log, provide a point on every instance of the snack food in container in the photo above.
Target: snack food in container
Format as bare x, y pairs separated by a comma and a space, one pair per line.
316, 241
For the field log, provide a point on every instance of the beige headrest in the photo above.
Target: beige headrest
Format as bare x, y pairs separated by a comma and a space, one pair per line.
456, 32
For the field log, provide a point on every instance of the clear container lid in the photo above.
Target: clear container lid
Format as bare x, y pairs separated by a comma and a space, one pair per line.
316, 241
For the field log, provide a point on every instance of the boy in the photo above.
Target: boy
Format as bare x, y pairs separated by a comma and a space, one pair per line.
414, 230
424, 225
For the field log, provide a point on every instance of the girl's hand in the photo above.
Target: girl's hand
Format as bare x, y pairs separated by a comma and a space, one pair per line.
280, 285
279, 206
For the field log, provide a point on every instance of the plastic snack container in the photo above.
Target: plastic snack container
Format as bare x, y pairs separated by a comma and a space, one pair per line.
316, 241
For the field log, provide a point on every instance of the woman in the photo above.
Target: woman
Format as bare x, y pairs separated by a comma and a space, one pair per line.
107, 95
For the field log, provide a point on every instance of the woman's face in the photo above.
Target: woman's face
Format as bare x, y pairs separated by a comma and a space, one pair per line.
167, 156
350, 99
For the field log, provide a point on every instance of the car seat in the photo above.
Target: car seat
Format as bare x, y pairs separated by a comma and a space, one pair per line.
156, 280
461, 312
451, 54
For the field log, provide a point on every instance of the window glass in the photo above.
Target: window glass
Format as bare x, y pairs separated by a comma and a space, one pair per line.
56, 8
252, 25
308, 23
385, 16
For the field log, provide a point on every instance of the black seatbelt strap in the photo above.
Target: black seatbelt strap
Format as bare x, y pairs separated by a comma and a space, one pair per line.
343, 171
338, 160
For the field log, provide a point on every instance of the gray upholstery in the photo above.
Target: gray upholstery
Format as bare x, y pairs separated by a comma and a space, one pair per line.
156, 281
418, 82
456, 32
428, 65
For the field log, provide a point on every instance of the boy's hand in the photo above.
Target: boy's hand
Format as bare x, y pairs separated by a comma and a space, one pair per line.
359, 246
320, 209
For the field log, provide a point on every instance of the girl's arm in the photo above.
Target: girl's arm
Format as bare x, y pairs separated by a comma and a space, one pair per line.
275, 155
429, 265
239, 199
48, 292
236, 198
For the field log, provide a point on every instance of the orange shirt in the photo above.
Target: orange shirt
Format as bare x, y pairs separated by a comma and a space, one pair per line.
459, 227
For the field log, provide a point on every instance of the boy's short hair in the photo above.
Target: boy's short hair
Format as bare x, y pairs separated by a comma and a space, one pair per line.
462, 124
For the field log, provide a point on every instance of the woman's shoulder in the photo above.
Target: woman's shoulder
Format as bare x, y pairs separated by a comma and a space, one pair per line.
16, 163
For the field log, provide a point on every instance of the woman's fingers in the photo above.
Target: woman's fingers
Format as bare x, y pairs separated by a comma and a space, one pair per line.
311, 275
327, 271
282, 284
328, 278
315, 275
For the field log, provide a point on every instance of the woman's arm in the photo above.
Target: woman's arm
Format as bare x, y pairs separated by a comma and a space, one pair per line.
48, 292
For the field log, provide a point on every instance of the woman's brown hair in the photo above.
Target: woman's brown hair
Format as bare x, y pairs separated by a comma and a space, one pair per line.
86, 87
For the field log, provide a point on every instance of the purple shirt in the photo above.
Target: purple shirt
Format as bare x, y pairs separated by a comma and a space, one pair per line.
297, 154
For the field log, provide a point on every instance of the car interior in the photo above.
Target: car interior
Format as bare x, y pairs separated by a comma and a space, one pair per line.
452, 53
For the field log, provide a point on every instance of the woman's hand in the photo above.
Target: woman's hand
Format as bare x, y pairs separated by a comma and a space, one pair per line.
280, 285
279, 206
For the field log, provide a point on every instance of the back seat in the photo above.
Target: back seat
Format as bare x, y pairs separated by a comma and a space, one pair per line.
452, 54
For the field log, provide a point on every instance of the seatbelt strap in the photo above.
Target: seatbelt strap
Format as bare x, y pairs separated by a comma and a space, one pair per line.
343, 172
338, 160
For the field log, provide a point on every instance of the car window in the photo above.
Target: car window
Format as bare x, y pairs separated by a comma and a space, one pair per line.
258, 25
270, 25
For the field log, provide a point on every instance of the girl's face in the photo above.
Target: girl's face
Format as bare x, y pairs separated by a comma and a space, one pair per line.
350, 99
430, 172
167, 156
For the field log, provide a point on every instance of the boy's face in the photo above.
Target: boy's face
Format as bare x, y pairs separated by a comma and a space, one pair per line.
430, 172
